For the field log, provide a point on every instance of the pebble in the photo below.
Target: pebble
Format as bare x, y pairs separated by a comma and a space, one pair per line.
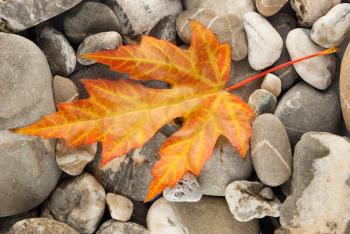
273, 84
269, 7
26, 82
345, 87
41, 226
308, 11
64, 90
16, 16
186, 190
87, 19
224, 166
119, 207
262, 101
330, 30
190, 4
116, 227
59, 53
264, 42
7, 222
209, 215
165, 29
98, 42
271, 151
78, 202
299, 107
299, 44
73, 160
249, 200
321, 171
233, 7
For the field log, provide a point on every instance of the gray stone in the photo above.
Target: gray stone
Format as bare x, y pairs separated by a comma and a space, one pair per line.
320, 186
299, 44
269, 7
345, 87
273, 84
98, 42
25, 81
224, 7
190, 4
209, 215
7, 222
64, 90
262, 101
17, 16
119, 207
271, 151
303, 109
116, 227
165, 29
29, 172
186, 190
78, 202
249, 200
224, 166
264, 42
330, 30
41, 226
87, 19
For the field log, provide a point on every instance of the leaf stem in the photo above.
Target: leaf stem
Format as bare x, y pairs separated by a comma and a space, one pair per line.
262, 74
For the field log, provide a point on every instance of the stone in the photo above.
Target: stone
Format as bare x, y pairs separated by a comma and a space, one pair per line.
165, 29
303, 109
186, 190
78, 202
269, 7
190, 4
119, 207
264, 42
7, 222
271, 151
209, 215
87, 19
116, 227
41, 226
273, 84
224, 7
299, 44
262, 101
29, 172
345, 87
25, 81
16, 16
224, 166
308, 11
330, 30
129, 175
321, 171
98, 42
249, 200
73, 160
64, 90
59, 53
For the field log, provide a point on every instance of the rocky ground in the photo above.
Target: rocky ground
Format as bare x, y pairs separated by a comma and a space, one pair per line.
296, 178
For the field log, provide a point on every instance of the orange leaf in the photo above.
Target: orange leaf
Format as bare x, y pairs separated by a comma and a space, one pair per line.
123, 115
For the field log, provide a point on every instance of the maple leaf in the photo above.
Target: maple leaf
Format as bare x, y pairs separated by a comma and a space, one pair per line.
124, 115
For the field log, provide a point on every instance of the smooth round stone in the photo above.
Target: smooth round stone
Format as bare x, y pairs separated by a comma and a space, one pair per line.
41, 226
59, 53
116, 227
330, 30
119, 207
271, 151
16, 16
209, 215
299, 44
269, 7
87, 19
78, 202
345, 87
264, 42
308, 11
319, 202
262, 101
303, 109
25, 81
233, 7
64, 90
98, 42
273, 84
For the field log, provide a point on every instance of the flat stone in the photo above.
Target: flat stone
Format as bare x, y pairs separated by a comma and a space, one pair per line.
64, 90
271, 151
321, 171
269, 7
345, 87
16, 16
262, 101
116, 227
273, 84
299, 44
119, 207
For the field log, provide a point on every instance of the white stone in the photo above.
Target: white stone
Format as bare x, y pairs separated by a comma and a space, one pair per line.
264, 43
318, 71
224, 7
272, 83
120, 207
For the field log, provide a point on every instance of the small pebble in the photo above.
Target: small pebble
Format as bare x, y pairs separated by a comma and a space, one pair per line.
272, 83
165, 29
262, 101
64, 90
269, 7
119, 206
